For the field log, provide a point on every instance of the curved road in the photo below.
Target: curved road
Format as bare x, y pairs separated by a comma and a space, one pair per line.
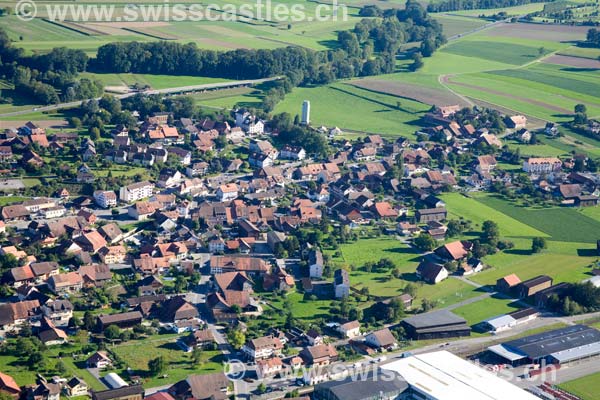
176, 90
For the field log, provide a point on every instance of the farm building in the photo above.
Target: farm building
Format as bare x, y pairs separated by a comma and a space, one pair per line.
443, 376
133, 392
510, 320
555, 347
534, 285
431, 214
507, 283
436, 324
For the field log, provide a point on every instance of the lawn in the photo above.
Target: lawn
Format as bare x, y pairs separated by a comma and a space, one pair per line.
136, 355
561, 261
587, 388
378, 112
16, 367
7, 200
485, 309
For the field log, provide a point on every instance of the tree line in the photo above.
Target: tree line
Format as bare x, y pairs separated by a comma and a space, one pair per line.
47, 78
457, 5
368, 49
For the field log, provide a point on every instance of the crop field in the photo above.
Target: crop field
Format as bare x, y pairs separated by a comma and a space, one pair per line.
561, 224
554, 33
437, 96
41, 35
575, 62
456, 25
551, 91
587, 388
379, 112
504, 52
477, 211
582, 52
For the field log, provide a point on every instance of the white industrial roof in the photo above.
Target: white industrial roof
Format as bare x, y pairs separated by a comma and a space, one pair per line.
501, 321
443, 376
506, 353
594, 280
577, 353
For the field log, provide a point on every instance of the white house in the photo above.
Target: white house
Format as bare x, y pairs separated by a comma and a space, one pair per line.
262, 348
269, 367
105, 198
136, 191
292, 153
538, 165
350, 329
341, 281
227, 192
315, 262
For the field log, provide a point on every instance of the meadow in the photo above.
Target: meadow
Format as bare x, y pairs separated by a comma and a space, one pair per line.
336, 105
136, 354
355, 255
569, 233
587, 388
484, 309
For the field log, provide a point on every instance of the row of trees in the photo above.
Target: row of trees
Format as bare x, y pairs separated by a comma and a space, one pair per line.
47, 78
368, 49
456, 5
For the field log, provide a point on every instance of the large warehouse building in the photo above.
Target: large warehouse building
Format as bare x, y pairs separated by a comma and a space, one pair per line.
443, 376
559, 346
435, 325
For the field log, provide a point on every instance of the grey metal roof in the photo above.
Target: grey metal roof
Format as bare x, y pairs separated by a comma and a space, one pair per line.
556, 341
577, 353
361, 389
435, 318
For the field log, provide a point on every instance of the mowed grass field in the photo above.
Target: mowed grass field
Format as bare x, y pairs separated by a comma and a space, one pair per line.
570, 235
484, 309
587, 388
352, 108
406, 259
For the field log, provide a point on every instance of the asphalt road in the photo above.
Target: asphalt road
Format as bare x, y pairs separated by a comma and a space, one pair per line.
176, 90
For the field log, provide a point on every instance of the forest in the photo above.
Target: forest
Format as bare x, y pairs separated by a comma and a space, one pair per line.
48, 78
368, 49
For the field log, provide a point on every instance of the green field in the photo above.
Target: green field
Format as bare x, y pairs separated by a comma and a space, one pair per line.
587, 387
378, 114
154, 81
504, 52
570, 235
484, 309
136, 355
561, 224
406, 260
